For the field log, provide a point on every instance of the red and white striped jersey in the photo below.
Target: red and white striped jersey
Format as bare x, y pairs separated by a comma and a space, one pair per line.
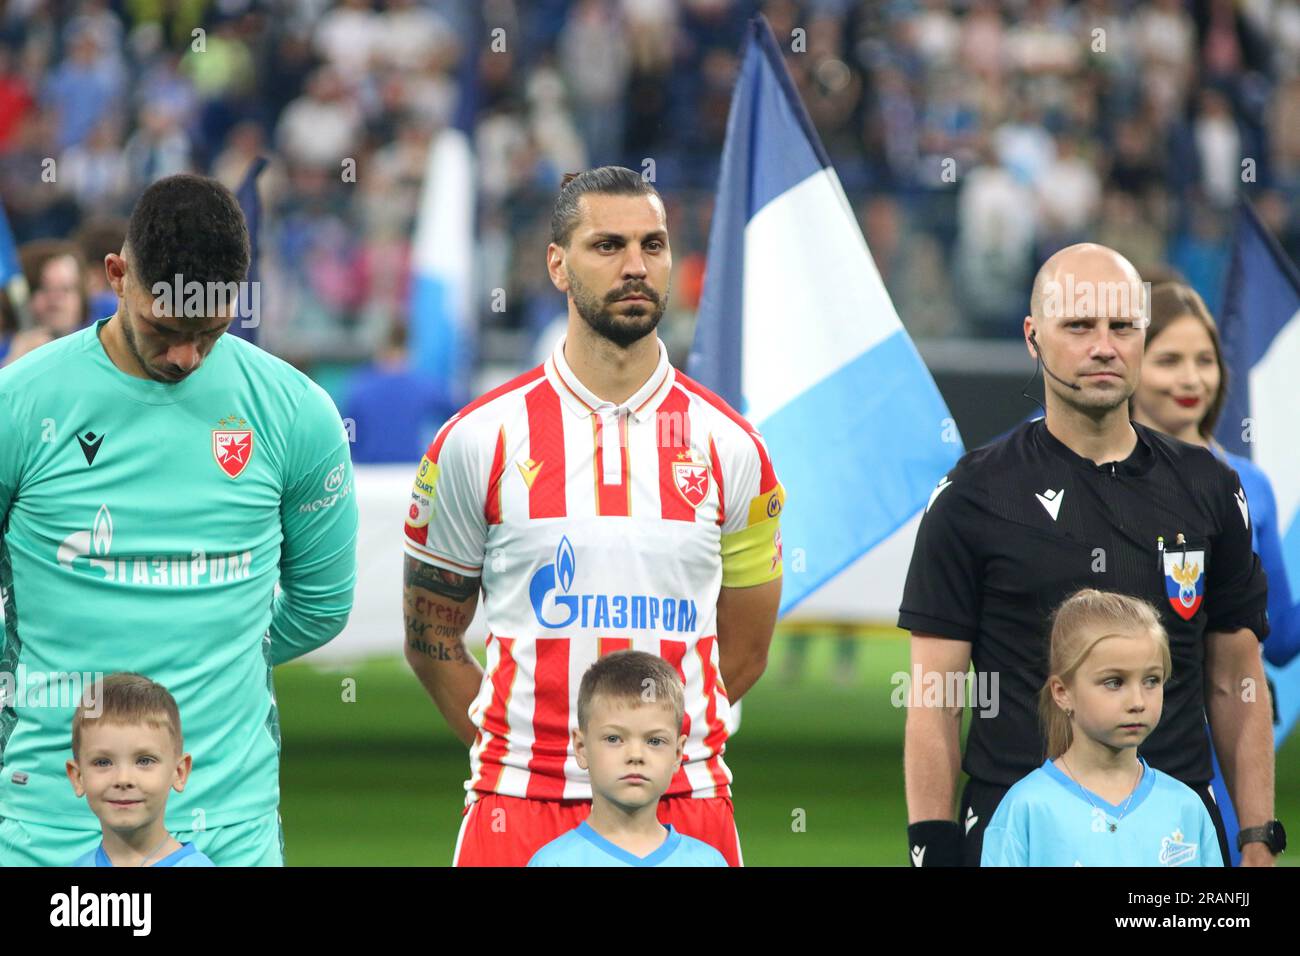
595, 528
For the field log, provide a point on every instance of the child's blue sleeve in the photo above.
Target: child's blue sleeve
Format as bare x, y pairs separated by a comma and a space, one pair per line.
1006, 838
544, 857
1210, 854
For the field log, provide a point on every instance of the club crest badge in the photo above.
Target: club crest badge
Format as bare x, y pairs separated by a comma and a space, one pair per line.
1176, 851
232, 447
692, 479
1185, 581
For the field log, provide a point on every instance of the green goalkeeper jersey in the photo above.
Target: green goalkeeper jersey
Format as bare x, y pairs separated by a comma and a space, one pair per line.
144, 528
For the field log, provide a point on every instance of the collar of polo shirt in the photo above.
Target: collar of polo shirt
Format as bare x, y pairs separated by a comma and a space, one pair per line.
1139, 461
581, 401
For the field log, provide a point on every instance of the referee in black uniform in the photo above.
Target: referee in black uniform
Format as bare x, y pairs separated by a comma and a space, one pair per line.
1084, 498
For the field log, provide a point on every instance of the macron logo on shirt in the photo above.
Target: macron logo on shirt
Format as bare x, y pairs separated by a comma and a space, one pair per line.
1051, 501
937, 491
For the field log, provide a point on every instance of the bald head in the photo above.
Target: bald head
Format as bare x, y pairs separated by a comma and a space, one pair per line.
1087, 280
1087, 315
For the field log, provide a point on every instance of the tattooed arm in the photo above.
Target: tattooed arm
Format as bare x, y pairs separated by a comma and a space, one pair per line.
438, 606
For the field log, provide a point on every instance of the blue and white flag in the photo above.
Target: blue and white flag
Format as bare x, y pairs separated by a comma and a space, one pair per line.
797, 332
441, 331
442, 266
1260, 326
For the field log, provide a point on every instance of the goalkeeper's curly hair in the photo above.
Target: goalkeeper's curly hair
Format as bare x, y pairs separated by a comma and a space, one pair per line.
188, 225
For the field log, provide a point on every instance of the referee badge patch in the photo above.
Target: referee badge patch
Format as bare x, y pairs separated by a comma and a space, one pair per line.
1185, 581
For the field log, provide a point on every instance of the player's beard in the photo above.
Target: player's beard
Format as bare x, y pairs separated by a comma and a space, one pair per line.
622, 328
128, 334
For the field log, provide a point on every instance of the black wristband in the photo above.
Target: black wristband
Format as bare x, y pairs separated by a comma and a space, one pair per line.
935, 843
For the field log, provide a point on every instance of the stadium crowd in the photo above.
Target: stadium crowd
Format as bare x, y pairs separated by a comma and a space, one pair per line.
973, 137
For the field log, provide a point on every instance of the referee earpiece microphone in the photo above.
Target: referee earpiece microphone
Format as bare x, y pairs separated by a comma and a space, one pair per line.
1033, 337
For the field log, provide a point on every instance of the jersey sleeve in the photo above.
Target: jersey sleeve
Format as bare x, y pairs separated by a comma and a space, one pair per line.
10, 458
318, 515
752, 501
942, 592
1006, 838
446, 525
1236, 587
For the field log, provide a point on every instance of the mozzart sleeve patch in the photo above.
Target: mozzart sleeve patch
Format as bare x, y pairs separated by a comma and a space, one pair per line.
445, 523
752, 555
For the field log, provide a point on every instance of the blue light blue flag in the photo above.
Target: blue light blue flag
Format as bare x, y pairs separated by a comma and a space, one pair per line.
797, 332
442, 265
248, 316
1260, 325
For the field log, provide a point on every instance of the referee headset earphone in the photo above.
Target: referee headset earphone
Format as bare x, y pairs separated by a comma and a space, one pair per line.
1038, 355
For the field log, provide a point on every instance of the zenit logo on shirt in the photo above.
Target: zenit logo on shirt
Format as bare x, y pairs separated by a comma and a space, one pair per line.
1185, 581
167, 570
1175, 851
617, 611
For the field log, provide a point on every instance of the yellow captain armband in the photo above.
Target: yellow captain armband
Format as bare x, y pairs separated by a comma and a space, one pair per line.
752, 555
422, 494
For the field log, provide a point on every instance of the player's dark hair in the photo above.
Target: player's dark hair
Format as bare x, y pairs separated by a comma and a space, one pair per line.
190, 226
127, 698
605, 180
1084, 619
633, 677
1171, 301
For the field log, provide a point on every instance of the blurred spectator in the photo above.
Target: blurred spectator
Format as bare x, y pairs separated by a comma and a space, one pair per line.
1218, 146
345, 37
56, 276
323, 127
96, 239
1069, 197
995, 242
94, 172
15, 97
83, 87
395, 411
159, 147
594, 51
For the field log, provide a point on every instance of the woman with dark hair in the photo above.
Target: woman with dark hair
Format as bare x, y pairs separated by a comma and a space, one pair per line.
1184, 381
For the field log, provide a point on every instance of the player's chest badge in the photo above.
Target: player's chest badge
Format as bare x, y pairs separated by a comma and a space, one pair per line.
1185, 581
692, 479
232, 447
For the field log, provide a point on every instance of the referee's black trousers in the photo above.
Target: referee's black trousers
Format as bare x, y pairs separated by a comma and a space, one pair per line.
980, 799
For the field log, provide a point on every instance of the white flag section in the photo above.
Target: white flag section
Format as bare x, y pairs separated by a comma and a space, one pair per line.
797, 332
442, 264
1275, 407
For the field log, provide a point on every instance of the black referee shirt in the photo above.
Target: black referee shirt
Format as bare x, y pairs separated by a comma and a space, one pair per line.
1019, 525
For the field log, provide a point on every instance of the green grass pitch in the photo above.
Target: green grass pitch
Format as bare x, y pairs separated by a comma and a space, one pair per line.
818, 763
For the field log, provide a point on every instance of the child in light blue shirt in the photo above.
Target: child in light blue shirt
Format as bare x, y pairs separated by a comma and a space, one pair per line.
1094, 801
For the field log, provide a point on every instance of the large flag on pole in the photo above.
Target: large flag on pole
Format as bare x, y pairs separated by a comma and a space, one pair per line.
441, 338
1260, 326
796, 331
249, 316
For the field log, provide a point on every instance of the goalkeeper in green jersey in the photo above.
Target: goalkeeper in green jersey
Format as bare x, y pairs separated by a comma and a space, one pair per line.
157, 478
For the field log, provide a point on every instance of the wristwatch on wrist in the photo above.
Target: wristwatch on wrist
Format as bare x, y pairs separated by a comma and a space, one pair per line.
1271, 834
